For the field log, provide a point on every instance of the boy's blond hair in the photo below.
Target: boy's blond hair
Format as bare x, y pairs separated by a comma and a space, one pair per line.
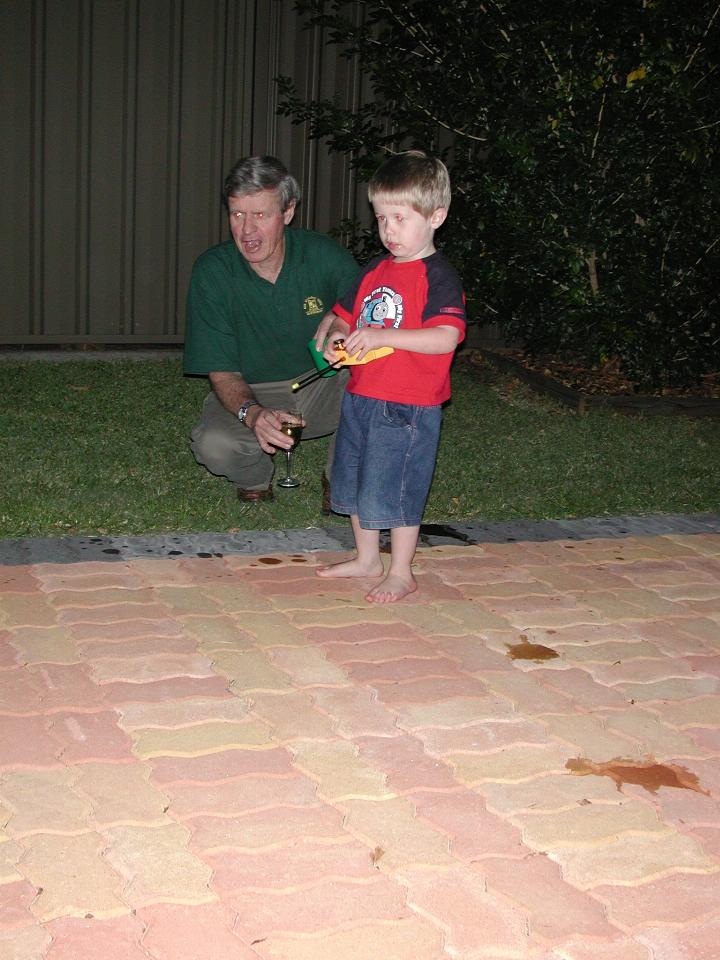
414, 178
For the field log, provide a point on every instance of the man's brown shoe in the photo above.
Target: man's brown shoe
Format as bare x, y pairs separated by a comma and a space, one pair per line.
325, 507
252, 496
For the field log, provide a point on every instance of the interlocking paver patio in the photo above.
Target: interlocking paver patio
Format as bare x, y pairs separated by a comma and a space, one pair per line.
225, 756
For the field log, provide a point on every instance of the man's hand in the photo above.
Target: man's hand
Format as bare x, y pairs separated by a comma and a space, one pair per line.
265, 424
330, 327
232, 391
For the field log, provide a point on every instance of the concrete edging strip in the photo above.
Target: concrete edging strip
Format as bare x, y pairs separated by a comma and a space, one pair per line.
32, 550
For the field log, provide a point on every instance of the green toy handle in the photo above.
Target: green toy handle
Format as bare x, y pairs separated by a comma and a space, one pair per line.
320, 361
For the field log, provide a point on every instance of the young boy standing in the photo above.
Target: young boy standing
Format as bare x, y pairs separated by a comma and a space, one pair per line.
410, 299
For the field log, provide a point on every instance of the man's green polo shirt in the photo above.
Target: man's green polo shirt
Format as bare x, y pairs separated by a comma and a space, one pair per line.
237, 321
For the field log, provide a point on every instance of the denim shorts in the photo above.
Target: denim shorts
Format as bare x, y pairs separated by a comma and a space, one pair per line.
384, 461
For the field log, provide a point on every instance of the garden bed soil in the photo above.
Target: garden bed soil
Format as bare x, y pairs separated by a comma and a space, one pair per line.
583, 388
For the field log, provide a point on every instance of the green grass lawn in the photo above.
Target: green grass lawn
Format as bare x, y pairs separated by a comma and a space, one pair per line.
101, 447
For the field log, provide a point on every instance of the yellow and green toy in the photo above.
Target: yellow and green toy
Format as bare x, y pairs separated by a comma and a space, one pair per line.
325, 369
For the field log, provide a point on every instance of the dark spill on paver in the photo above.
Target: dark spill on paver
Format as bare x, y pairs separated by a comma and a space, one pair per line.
269, 560
648, 774
530, 651
377, 853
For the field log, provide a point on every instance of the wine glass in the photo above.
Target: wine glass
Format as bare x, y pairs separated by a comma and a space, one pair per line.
291, 424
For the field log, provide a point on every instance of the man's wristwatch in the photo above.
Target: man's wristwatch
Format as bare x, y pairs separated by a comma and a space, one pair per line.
243, 411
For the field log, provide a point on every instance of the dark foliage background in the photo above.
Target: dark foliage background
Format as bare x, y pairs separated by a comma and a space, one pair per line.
582, 140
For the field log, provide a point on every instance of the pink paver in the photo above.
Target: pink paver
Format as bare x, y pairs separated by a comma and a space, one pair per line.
378, 651
67, 687
234, 798
145, 646
90, 736
297, 865
429, 690
360, 633
122, 630
679, 898
402, 671
698, 941
271, 826
356, 712
25, 741
405, 763
136, 823
460, 902
328, 905
112, 613
474, 833
556, 910
9, 658
199, 932
174, 688
15, 900
224, 765
20, 693
17, 580
117, 938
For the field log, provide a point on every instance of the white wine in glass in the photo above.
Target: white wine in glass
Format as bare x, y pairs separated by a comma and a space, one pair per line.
291, 425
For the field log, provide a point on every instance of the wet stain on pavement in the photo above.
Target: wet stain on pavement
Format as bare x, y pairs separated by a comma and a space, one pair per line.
269, 560
648, 773
530, 651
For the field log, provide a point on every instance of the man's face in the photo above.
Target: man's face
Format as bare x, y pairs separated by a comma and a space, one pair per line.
257, 225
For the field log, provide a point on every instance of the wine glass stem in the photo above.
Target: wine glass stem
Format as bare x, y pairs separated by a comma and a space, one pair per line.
288, 463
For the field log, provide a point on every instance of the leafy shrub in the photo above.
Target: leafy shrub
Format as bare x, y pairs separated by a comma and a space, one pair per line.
582, 141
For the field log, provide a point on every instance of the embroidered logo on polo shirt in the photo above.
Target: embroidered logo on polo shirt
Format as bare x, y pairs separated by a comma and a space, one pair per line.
313, 306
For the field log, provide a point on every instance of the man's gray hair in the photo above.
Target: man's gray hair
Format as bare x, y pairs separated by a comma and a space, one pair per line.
253, 174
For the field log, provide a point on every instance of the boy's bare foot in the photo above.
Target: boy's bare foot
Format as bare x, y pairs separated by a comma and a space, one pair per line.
352, 568
392, 589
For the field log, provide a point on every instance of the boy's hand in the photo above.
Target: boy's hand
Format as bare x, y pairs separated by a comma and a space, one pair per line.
363, 340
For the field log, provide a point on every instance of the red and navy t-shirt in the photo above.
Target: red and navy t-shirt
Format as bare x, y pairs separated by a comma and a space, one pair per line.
405, 296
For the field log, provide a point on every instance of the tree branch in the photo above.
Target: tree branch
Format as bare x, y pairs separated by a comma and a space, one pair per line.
698, 47
599, 122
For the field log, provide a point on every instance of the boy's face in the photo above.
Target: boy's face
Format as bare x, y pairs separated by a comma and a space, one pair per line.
407, 234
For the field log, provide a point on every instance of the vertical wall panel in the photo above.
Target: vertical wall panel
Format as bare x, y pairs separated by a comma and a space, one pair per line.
58, 187
107, 176
200, 159
17, 75
122, 117
156, 175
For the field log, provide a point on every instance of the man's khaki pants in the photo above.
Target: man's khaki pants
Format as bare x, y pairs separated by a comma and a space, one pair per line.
229, 449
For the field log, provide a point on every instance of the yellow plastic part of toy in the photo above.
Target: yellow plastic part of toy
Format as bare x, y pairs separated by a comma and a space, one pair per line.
371, 355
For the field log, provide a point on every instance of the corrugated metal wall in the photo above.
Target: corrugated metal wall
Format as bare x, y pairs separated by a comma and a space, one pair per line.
119, 120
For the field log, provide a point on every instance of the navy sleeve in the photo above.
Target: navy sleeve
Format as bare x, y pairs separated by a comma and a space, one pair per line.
445, 298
